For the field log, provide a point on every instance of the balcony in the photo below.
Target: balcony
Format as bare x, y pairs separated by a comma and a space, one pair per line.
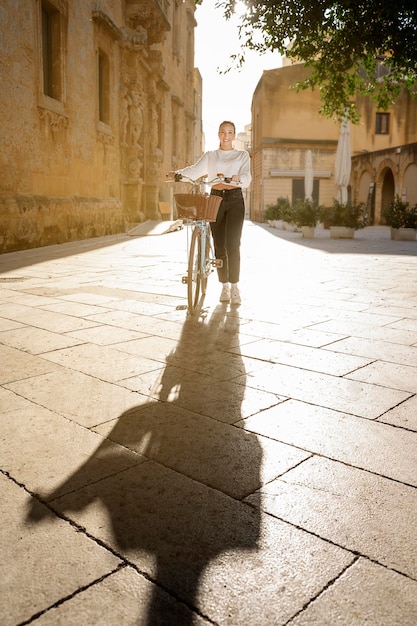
151, 15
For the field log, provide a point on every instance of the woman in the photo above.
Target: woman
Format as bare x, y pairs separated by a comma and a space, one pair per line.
227, 230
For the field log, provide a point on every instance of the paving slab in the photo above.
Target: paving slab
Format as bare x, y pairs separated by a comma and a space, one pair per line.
101, 362
342, 394
376, 349
44, 558
376, 447
103, 335
17, 365
48, 320
355, 509
403, 415
386, 375
360, 595
367, 331
39, 449
6, 324
409, 324
123, 597
142, 323
36, 340
74, 308
325, 361
86, 400
29, 299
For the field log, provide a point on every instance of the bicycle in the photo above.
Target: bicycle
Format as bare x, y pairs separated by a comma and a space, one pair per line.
198, 209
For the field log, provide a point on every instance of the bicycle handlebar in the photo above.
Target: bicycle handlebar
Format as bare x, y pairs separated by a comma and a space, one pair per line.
220, 178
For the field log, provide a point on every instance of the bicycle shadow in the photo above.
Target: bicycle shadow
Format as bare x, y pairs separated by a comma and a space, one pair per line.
174, 510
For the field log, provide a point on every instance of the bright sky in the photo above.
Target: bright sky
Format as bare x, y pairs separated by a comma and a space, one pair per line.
229, 96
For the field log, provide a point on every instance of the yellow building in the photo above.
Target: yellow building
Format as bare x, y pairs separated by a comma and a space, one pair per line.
98, 100
286, 124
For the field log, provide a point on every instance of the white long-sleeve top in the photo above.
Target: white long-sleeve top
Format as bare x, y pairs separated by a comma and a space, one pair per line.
226, 162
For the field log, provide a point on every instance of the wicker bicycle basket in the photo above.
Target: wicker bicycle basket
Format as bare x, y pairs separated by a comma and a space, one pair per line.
197, 206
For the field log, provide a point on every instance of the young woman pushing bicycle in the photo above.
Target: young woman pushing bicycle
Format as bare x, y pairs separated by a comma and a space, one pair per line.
234, 165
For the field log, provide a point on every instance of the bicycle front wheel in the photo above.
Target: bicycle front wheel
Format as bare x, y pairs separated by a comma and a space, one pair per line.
205, 263
194, 274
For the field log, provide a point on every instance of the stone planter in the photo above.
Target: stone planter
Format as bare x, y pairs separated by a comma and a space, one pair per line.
403, 234
308, 231
341, 232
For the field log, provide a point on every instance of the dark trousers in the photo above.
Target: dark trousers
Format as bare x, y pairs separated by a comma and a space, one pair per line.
227, 232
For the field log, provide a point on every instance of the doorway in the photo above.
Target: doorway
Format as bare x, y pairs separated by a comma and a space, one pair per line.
388, 189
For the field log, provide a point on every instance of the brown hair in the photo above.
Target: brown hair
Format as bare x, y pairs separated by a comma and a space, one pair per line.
228, 122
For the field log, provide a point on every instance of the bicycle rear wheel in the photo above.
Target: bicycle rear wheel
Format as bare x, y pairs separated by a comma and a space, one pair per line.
194, 275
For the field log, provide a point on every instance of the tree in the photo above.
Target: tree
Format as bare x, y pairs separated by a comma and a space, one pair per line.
351, 47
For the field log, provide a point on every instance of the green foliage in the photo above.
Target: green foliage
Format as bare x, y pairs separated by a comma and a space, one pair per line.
363, 47
350, 215
400, 214
278, 211
305, 213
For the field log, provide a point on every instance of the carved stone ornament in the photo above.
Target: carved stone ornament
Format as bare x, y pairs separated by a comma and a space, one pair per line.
134, 39
53, 121
105, 138
148, 15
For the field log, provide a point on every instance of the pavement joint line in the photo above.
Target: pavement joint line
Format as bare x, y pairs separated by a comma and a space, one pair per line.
333, 459
74, 594
329, 584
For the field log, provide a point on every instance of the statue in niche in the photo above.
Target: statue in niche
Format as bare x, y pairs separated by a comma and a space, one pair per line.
125, 104
136, 116
135, 167
154, 140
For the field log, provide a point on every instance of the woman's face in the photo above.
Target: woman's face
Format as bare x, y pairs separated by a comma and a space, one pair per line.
226, 135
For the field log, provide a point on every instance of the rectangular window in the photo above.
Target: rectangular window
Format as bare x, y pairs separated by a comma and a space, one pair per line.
103, 87
176, 29
298, 192
51, 51
190, 49
382, 124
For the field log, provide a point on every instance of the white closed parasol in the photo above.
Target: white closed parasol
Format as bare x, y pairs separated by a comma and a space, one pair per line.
343, 162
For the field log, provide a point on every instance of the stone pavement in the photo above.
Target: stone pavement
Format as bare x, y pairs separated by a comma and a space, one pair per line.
253, 466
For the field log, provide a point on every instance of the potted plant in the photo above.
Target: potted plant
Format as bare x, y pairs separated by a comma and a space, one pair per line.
277, 212
306, 215
344, 219
402, 217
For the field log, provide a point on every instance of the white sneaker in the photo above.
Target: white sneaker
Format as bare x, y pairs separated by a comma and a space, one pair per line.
225, 294
235, 295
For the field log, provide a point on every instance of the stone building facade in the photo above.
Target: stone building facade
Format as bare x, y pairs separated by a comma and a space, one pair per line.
378, 177
286, 124
98, 99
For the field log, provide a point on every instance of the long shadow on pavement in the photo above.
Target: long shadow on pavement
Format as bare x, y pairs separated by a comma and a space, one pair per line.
171, 500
